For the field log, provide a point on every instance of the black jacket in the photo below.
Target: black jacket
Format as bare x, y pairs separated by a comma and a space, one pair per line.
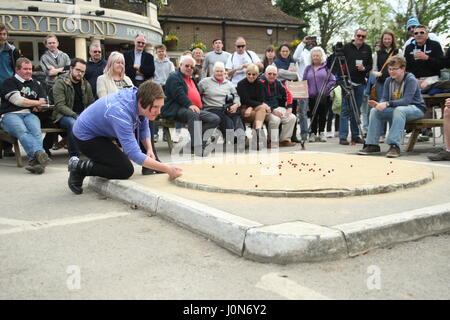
251, 94
274, 93
147, 65
93, 71
424, 68
382, 56
176, 91
352, 53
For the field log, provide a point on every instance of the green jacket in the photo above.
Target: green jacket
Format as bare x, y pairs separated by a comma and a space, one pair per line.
64, 96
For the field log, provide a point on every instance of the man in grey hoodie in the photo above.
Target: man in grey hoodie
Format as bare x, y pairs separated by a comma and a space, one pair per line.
53, 61
401, 102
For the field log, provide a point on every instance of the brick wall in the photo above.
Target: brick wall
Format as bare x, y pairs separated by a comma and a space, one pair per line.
256, 37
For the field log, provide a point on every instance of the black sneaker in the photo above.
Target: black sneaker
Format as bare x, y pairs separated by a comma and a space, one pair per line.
443, 155
357, 140
35, 167
393, 152
148, 171
369, 149
344, 142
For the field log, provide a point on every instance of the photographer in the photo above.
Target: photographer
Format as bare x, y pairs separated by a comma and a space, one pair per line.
359, 63
219, 96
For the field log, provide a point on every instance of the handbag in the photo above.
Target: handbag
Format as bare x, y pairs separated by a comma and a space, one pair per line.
373, 92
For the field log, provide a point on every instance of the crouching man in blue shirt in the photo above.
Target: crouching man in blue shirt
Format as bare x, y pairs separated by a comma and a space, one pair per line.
121, 116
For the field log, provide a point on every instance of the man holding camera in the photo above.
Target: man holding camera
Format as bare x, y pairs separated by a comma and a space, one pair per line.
359, 63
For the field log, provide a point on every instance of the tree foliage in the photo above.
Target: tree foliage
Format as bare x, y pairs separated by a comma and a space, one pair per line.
302, 9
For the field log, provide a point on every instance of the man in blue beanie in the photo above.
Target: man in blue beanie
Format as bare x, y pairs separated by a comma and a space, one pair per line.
412, 23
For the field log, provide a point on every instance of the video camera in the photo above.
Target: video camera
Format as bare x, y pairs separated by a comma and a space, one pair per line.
229, 101
338, 49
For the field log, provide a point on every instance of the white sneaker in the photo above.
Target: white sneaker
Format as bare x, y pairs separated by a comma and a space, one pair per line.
175, 136
329, 134
322, 137
312, 137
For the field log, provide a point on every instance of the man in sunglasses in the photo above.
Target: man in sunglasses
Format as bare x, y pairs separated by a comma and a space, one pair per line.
183, 103
412, 23
359, 60
95, 66
424, 57
237, 63
139, 65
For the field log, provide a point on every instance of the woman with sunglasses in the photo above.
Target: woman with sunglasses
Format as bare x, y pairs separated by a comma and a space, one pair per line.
113, 78
253, 109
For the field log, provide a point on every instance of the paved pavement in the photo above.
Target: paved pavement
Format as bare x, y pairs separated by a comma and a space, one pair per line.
285, 230
55, 245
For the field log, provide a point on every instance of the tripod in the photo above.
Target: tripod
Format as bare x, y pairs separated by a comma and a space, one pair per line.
344, 81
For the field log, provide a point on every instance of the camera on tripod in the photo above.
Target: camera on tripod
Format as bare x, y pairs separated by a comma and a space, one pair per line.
338, 49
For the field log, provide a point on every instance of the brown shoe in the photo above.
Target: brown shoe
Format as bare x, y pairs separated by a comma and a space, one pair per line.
287, 144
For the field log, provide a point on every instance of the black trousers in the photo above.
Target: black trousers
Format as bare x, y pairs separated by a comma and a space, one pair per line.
229, 121
321, 114
198, 123
109, 161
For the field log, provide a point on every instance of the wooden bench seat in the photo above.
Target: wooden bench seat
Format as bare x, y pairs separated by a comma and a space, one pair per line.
166, 125
5, 136
417, 125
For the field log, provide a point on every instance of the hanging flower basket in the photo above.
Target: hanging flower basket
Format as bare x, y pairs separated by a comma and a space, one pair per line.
171, 42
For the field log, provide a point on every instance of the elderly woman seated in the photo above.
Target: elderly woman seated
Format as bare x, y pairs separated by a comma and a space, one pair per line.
113, 78
253, 110
220, 97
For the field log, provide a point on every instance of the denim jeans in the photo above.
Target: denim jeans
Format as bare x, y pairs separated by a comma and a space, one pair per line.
302, 115
399, 116
26, 127
67, 123
347, 113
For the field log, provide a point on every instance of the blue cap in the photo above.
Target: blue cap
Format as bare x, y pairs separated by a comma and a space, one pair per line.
412, 22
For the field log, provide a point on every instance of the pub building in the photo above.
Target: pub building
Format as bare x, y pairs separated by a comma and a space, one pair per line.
78, 23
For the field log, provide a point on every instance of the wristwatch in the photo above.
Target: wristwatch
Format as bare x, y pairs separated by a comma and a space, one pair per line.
387, 104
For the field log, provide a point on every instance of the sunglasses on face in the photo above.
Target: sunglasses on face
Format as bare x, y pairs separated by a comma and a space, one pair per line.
140, 42
241, 46
251, 74
96, 51
272, 74
419, 32
188, 66
361, 36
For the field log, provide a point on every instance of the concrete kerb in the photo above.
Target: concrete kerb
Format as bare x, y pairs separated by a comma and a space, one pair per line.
225, 229
378, 232
283, 243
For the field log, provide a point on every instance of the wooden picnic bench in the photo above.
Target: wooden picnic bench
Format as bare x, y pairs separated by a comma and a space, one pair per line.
166, 125
417, 125
5, 136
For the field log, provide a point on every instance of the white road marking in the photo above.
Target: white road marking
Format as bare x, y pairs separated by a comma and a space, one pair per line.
22, 225
13, 222
288, 288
